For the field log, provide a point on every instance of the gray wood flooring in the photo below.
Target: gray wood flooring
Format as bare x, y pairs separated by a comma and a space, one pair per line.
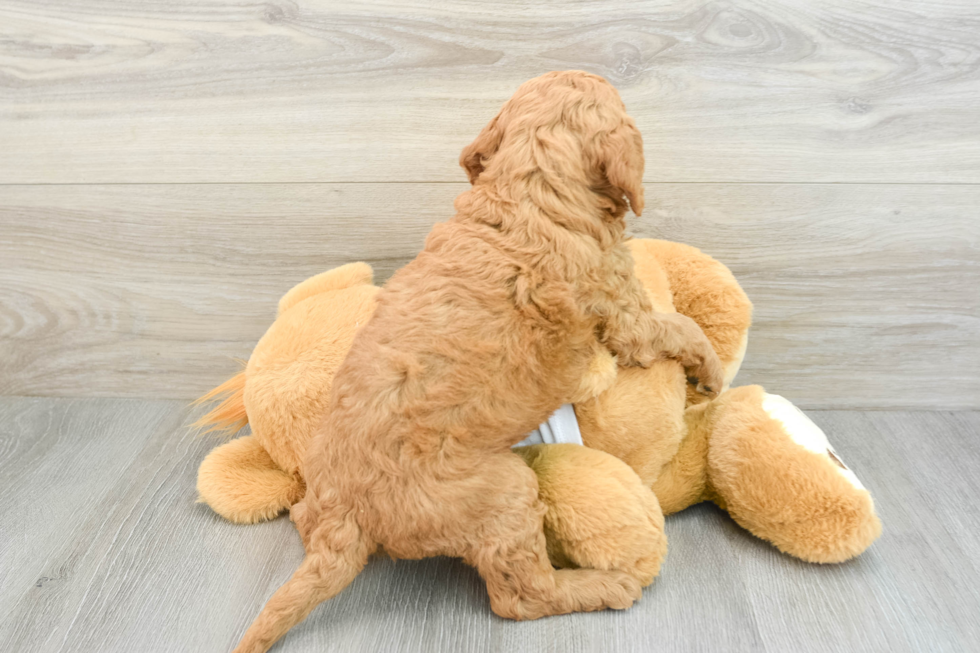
102, 548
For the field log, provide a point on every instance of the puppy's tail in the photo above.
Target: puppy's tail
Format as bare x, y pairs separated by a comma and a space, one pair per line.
322, 576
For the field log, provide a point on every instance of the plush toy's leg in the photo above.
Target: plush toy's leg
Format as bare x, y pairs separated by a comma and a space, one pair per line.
776, 474
683, 481
242, 484
600, 515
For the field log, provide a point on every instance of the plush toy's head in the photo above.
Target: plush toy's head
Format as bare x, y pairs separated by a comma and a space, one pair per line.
650, 446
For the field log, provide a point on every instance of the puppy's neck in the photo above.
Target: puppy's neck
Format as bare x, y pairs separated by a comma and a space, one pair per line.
540, 208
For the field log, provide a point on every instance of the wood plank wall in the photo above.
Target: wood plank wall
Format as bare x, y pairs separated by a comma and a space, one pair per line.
169, 169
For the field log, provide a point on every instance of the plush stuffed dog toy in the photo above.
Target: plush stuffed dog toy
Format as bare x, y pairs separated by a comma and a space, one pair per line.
652, 446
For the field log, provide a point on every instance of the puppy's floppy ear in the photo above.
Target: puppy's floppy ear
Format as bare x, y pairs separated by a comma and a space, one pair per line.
481, 148
620, 155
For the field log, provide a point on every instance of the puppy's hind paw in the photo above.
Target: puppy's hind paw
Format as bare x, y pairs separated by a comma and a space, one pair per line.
593, 589
625, 590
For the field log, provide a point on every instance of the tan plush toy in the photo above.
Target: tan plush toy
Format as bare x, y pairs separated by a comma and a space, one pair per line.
652, 445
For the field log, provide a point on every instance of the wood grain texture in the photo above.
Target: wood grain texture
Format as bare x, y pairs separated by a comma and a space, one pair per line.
115, 91
865, 295
111, 552
104, 549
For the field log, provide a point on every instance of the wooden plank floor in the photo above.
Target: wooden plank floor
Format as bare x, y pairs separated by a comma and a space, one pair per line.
102, 548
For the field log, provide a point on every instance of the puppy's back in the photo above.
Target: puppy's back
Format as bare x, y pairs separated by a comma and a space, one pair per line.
467, 339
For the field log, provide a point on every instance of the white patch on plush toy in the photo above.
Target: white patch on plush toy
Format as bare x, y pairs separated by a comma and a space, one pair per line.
562, 426
805, 433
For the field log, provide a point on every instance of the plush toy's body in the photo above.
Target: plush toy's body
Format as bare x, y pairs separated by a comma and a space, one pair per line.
644, 429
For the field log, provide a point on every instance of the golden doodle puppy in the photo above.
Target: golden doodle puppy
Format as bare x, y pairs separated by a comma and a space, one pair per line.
475, 343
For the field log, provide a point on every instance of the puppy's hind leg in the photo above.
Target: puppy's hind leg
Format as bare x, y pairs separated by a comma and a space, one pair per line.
512, 555
323, 574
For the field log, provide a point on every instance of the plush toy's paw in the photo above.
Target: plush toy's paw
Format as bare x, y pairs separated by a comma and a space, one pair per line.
600, 515
805, 433
774, 471
242, 483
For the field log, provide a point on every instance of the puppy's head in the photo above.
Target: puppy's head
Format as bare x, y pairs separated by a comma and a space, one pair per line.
573, 127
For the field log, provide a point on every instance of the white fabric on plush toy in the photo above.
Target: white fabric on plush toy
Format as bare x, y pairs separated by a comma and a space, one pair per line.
805, 433
562, 426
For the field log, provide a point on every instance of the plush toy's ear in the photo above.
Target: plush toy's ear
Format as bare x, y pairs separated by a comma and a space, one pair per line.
483, 147
620, 159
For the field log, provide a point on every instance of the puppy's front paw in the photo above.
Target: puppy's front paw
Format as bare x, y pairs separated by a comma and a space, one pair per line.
707, 374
